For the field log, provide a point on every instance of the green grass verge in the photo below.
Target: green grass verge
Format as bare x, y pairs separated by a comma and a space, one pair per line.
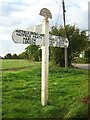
15, 63
22, 90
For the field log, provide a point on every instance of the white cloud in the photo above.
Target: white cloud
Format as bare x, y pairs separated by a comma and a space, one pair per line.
10, 47
78, 17
78, 13
21, 14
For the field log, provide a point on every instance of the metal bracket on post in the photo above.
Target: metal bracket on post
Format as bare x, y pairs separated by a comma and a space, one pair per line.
45, 56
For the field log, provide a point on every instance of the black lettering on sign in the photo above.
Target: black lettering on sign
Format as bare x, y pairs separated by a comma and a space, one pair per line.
28, 34
27, 40
23, 33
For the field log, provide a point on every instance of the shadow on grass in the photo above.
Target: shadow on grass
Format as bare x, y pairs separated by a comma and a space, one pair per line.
81, 115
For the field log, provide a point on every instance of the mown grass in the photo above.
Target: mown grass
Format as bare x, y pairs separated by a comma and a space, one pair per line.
15, 63
22, 93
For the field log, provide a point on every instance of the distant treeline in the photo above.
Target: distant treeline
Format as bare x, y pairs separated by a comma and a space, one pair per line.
10, 56
14, 56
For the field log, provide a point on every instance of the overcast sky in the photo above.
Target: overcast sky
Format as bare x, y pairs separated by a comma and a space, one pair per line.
21, 14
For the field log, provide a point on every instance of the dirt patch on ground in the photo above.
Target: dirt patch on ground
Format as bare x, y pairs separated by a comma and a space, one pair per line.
15, 69
86, 100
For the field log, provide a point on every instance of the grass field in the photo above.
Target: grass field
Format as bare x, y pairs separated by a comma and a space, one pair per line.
22, 90
15, 63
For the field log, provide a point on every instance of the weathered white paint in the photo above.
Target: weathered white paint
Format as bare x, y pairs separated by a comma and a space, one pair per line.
45, 62
45, 13
27, 37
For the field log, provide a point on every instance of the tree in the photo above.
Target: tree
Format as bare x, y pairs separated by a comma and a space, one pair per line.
33, 52
77, 43
23, 55
15, 56
8, 56
87, 54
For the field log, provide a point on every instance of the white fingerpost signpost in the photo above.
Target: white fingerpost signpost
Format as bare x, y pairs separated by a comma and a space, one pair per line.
44, 39
45, 56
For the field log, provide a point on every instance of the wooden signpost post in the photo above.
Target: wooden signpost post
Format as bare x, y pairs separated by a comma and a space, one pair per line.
45, 40
45, 56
